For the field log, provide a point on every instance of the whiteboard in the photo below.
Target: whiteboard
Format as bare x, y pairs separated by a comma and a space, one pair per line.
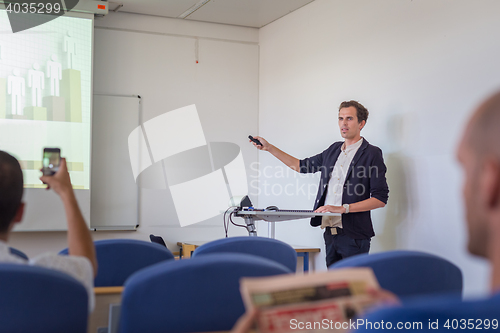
114, 195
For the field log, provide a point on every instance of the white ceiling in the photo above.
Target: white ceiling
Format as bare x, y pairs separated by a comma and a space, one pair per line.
248, 13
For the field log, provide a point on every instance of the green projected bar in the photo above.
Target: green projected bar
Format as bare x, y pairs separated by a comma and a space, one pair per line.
17, 117
71, 90
35, 113
55, 108
37, 165
76, 187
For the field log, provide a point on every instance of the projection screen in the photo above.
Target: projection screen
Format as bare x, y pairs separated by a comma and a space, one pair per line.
46, 101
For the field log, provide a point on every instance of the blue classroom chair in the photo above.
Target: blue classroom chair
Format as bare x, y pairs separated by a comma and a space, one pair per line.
268, 248
410, 274
436, 314
156, 299
37, 299
18, 253
157, 240
117, 259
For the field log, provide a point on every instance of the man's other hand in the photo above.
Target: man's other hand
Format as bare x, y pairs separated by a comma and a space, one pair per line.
330, 209
382, 298
247, 322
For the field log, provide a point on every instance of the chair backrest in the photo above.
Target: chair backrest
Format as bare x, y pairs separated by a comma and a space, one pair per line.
157, 240
409, 273
117, 259
193, 295
18, 253
259, 246
436, 314
36, 299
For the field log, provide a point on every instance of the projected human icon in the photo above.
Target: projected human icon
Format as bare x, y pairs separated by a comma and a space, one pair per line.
54, 73
70, 49
16, 88
36, 81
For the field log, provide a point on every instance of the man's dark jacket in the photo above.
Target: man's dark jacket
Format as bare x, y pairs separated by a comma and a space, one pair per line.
365, 178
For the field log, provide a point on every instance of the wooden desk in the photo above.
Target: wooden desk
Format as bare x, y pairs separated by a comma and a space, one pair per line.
104, 296
186, 249
303, 252
108, 290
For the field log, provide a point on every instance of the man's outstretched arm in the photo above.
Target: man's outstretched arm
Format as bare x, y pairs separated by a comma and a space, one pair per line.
79, 240
290, 161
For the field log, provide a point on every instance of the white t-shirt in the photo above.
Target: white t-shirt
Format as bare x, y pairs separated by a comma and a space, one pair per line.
78, 267
336, 183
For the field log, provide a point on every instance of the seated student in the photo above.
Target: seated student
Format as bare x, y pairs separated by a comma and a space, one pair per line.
479, 155
81, 262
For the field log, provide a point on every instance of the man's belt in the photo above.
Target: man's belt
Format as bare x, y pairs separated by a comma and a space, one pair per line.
335, 230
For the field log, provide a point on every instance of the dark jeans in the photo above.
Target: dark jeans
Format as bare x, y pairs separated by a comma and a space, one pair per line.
341, 246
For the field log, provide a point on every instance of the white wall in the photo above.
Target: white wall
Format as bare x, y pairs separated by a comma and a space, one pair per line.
155, 58
419, 67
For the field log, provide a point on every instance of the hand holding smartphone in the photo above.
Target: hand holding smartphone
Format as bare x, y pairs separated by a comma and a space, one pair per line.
51, 161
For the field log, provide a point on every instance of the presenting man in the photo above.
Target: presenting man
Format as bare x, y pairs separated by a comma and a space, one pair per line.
81, 262
352, 183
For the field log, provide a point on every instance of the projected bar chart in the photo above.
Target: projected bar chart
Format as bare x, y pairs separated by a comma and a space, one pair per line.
45, 95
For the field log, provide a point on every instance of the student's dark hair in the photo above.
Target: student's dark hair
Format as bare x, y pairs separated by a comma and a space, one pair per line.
361, 111
11, 189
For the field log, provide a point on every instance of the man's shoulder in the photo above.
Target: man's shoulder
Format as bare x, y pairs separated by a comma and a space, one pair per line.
66, 263
371, 149
55, 259
6, 255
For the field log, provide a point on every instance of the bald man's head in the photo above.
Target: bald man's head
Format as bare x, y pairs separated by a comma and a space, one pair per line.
479, 155
483, 132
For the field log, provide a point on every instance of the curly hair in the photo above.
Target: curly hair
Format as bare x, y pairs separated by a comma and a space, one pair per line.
11, 189
361, 111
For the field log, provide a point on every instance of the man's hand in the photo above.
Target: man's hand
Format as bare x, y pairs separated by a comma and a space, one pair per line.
247, 322
383, 298
330, 209
60, 181
265, 145
290, 161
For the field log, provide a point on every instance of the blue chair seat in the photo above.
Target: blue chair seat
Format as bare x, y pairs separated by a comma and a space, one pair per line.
268, 248
36, 299
156, 298
117, 259
18, 253
410, 273
437, 314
